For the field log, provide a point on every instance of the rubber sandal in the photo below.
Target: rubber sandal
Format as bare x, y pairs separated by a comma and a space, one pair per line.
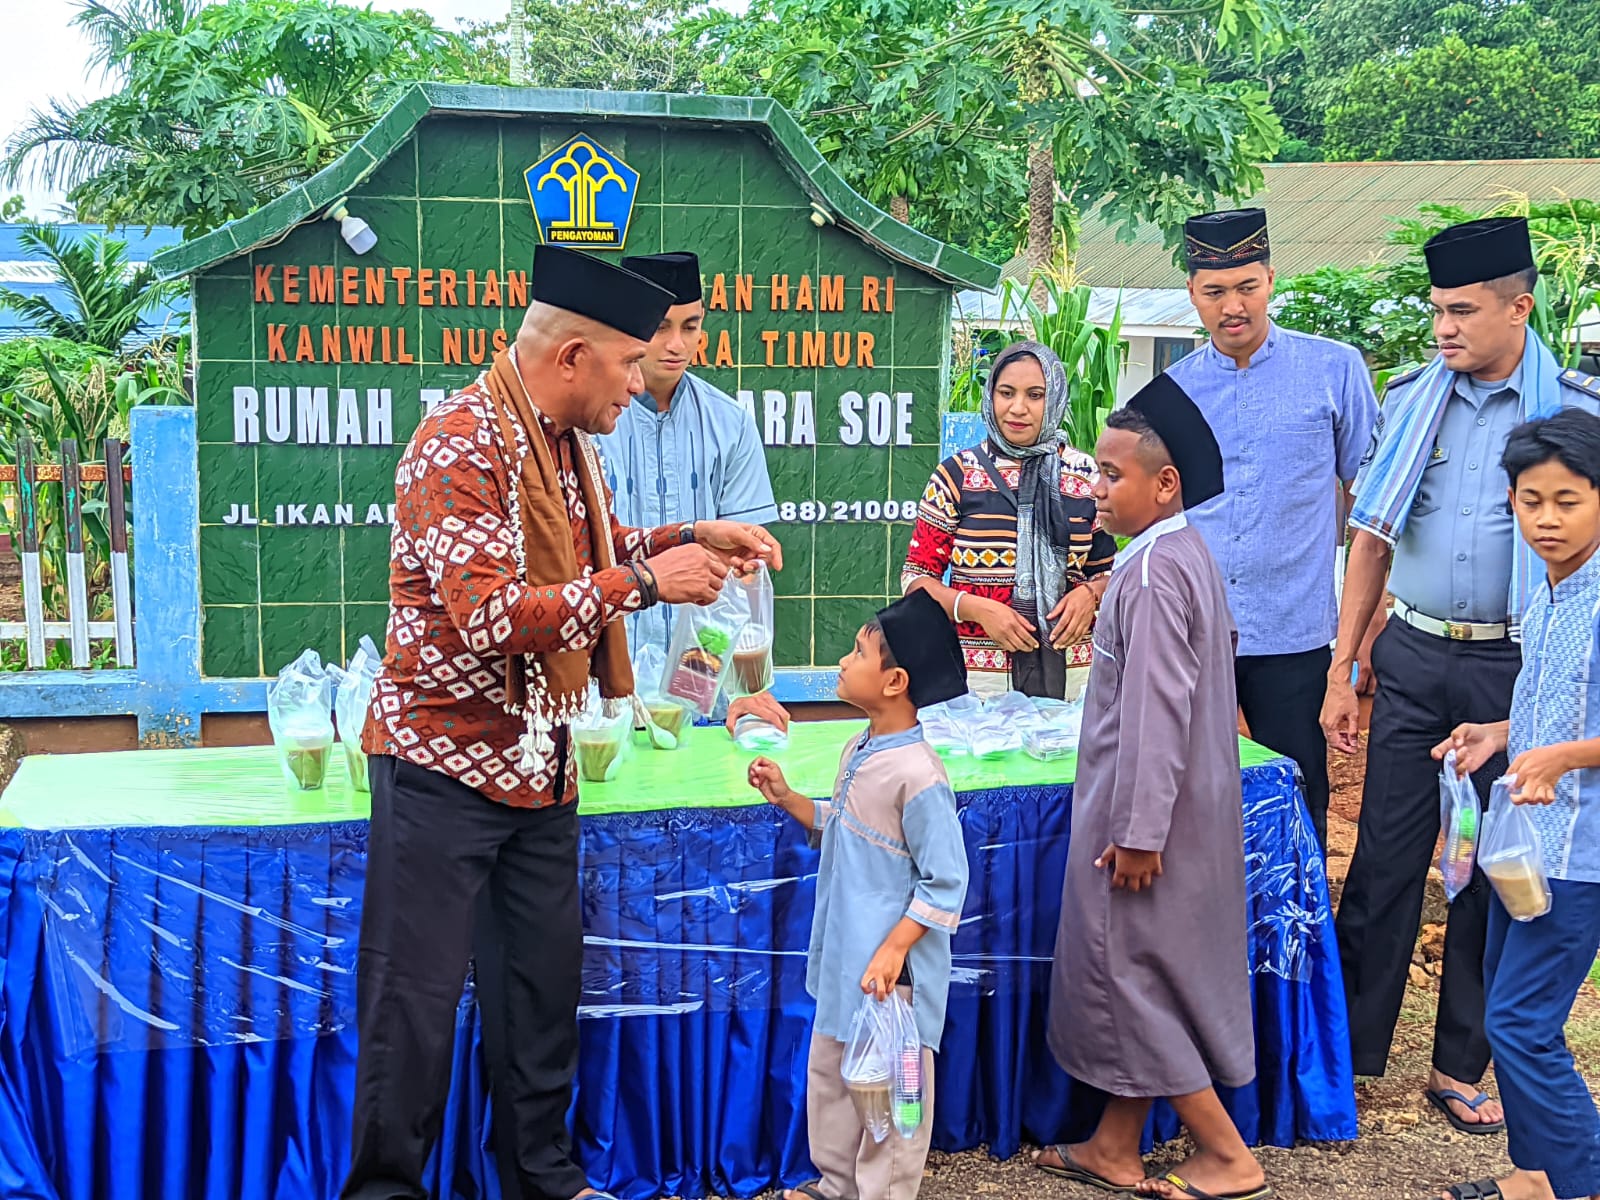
1478, 1128
1264, 1192
1076, 1172
809, 1190
1482, 1189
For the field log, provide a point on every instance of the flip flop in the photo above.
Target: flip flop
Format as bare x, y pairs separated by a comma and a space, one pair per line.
1482, 1189
1264, 1192
1439, 1100
1075, 1172
808, 1190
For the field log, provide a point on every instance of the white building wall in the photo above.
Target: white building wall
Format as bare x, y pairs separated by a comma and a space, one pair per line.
1137, 369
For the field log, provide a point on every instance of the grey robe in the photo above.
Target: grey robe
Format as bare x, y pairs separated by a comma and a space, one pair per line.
1150, 993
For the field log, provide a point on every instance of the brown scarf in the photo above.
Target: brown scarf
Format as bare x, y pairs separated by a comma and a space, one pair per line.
552, 688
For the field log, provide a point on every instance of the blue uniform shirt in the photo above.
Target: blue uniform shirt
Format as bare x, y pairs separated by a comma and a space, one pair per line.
1558, 700
1291, 425
700, 460
1453, 558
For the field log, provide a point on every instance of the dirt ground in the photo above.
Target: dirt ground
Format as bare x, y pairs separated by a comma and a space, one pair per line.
1406, 1151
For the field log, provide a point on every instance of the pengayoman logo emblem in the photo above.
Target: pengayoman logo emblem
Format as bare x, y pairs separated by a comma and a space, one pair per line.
583, 195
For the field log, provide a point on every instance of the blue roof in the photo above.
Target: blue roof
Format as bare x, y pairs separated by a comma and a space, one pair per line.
33, 276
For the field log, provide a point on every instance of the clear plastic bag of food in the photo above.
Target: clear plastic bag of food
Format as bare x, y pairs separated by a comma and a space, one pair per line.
671, 715
757, 735
1512, 856
1047, 743
701, 653
300, 715
750, 672
882, 1067
868, 1070
601, 737
942, 731
351, 697
1065, 716
1015, 708
993, 735
906, 1099
1460, 819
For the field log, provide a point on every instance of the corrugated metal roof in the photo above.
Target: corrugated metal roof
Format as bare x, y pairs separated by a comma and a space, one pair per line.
1338, 213
1140, 306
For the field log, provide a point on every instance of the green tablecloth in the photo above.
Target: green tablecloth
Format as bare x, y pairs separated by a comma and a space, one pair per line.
244, 786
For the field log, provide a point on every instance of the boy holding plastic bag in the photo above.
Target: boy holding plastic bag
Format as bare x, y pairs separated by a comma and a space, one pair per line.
1544, 924
890, 887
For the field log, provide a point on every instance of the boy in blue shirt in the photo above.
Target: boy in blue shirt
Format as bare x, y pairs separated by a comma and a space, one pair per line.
1533, 969
890, 886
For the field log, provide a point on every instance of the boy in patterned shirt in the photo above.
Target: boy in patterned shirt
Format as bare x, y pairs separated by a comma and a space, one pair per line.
890, 886
1533, 969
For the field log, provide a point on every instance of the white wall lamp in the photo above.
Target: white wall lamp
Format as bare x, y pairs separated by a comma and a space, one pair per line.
357, 233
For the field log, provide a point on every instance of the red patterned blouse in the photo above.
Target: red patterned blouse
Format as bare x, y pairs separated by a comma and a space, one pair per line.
458, 605
965, 525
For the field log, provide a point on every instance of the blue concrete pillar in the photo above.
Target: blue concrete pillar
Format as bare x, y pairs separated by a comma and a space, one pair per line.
166, 574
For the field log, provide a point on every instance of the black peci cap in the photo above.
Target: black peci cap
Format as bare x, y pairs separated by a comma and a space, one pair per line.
1222, 240
923, 640
1183, 429
678, 272
1478, 251
596, 289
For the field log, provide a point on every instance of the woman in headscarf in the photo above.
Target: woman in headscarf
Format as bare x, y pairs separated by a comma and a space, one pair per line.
1013, 521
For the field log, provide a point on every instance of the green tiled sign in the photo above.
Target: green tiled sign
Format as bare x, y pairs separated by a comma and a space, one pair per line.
314, 365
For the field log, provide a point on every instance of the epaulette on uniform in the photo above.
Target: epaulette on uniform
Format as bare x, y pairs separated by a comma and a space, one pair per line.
1582, 381
1398, 380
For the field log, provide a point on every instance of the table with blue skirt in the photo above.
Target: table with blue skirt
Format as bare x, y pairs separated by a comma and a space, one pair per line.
178, 934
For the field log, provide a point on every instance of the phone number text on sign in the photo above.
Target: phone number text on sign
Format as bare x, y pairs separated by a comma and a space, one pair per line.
813, 512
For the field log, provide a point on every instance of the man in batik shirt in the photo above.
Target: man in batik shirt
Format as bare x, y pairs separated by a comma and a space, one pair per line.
508, 577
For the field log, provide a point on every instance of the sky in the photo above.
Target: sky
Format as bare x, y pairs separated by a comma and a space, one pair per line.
54, 64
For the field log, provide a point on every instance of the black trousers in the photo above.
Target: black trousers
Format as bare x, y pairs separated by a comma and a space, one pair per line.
442, 859
1281, 698
1426, 687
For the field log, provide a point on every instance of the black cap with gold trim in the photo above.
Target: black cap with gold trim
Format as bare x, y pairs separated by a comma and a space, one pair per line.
1220, 241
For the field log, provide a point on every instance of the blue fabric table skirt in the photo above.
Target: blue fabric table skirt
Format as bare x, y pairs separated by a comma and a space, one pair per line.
177, 1005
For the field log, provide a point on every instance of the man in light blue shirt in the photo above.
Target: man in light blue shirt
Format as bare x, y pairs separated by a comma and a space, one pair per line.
1293, 414
683, 449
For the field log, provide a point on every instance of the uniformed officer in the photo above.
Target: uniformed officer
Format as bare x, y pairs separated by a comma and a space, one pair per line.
1431, 515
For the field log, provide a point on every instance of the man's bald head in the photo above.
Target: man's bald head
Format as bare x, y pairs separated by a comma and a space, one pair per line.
580, 372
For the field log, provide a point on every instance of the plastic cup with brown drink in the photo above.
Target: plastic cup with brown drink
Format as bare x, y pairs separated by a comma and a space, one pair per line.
752, 661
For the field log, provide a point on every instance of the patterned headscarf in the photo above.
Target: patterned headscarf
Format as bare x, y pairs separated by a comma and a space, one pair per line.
1042, 531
